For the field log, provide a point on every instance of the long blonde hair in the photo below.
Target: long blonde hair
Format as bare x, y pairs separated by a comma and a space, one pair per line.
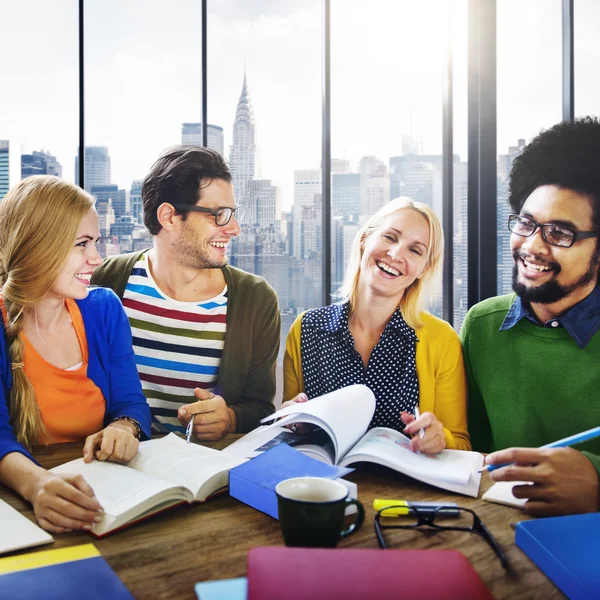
410, 303
39, 219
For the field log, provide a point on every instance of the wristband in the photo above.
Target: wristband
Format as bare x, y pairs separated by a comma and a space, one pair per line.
138, 429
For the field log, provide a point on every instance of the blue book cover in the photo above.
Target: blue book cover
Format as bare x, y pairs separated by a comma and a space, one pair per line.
74, 572
567, 550
254, 482
223, 589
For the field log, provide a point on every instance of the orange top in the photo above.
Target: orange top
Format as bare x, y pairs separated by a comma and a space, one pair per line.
71, 405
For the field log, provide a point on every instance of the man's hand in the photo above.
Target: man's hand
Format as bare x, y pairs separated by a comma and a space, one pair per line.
433, 442
115, 443
64, 502
213, 419
564, 480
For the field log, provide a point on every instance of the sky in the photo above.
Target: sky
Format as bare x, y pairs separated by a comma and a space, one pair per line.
143, 76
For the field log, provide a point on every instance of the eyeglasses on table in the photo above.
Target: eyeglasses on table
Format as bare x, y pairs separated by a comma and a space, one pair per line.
440, 519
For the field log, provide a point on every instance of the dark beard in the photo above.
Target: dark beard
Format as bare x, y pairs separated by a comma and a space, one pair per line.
552, 291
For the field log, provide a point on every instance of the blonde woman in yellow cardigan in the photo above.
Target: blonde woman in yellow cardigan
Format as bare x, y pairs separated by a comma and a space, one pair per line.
379, 336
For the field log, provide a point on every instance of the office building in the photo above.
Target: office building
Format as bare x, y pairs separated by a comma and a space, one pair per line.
96, 170
191, 135
39, 163
135, 201
4, 165
111, 194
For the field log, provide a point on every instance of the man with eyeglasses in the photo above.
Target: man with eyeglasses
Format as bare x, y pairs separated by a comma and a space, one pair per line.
532, 358
205, 334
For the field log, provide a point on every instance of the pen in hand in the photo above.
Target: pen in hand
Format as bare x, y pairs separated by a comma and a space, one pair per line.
418, 416
189, 429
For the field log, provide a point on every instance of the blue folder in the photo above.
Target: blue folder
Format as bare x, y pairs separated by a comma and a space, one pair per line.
567, 550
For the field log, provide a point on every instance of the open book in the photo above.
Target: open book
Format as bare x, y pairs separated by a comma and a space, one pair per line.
165, 472
342, 439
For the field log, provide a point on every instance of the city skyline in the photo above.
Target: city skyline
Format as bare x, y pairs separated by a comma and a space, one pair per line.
144, 82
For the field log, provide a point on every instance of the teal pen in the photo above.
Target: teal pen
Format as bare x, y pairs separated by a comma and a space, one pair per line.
590, 434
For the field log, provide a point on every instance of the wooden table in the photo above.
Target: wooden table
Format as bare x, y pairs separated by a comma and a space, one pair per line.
166, 555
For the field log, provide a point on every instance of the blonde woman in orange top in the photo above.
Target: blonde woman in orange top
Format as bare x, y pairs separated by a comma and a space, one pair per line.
379, 336
67, 370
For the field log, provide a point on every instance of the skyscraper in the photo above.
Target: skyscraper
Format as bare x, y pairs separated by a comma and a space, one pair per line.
504, 255
242, 155
191, 135
307, 193
111, 194
96, 167
39, 163
4, 156
135, 200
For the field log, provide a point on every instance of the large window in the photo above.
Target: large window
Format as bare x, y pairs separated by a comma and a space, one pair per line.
386, 87
587, 57
264, 112
529, 95
39, 100
143, 74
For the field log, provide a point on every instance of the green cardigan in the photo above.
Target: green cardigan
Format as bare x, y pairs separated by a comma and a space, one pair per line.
247, 372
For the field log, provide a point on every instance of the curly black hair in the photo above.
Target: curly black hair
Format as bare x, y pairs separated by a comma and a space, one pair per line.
179, 175
566, 155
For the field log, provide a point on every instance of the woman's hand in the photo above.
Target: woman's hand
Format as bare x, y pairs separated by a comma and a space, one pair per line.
298, 428
62, 503
301, 397
433, 440
115, 443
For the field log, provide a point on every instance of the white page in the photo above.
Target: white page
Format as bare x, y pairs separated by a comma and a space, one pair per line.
345, 414
171, 458
117, 487
501, 493
17, 531
455, 470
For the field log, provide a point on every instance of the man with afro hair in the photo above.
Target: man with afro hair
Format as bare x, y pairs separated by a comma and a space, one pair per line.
532, 357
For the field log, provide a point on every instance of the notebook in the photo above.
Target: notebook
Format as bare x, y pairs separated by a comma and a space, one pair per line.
75, 572
353, 574
567, 550
17, 531
501, 493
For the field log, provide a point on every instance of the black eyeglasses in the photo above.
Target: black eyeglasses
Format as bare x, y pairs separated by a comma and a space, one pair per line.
441, 519
556, 235
222, 214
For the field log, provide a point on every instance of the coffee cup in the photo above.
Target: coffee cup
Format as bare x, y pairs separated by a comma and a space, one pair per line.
311, 511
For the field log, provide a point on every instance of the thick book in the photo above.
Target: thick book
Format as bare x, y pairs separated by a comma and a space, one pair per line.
341, 438
165, 472
566, 549
254, 482
75, 572
18, 532
353, 574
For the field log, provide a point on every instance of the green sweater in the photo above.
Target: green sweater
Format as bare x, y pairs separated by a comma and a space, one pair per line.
528, 385
247, 372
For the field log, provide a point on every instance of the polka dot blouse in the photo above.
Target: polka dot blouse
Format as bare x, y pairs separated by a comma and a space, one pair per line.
330, 362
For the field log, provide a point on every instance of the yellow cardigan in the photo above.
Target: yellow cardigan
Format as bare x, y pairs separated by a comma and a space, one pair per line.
440, 372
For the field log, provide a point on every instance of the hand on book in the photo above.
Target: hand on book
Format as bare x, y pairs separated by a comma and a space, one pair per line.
564, 480
299, 428
213, 419
433, 440
62, 503
115, 443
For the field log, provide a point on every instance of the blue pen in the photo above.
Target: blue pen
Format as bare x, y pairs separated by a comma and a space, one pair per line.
590, 434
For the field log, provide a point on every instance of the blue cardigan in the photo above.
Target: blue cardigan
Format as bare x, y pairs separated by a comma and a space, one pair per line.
111, 367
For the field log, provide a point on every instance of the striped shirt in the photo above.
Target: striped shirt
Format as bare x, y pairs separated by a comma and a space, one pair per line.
177, 345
